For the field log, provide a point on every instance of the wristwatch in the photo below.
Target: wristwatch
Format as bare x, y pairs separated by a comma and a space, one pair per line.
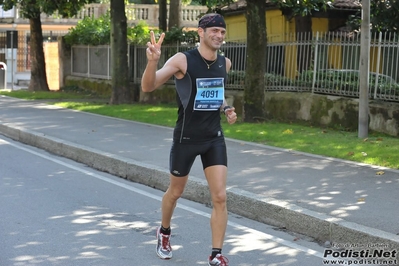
225, 108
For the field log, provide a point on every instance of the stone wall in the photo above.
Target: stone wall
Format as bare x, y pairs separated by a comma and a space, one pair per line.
315, 109
331, 111
325, 110
101, 87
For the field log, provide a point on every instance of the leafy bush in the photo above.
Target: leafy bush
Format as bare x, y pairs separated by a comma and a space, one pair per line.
348, 80
178, 35
90, 31
338, 80
139, 34
277, 80
386, 85
237, 77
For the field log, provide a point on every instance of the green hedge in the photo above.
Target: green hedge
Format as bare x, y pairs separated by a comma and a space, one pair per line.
91, 31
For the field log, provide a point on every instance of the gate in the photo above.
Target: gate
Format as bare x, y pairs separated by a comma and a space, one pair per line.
3, 46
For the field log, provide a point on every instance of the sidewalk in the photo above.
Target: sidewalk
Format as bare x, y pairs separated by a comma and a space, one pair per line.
325, 198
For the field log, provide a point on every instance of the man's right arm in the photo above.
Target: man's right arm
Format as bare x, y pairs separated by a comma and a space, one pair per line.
153, 78
148, 80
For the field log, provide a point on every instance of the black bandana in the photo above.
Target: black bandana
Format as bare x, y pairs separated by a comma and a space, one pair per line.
211, 20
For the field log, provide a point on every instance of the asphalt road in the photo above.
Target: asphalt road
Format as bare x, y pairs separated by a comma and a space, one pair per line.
55, 211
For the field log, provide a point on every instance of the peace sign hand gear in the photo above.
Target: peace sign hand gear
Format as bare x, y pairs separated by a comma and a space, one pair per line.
153, 50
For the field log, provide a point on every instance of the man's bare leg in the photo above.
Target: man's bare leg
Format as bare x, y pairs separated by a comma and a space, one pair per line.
169, 200
216, 177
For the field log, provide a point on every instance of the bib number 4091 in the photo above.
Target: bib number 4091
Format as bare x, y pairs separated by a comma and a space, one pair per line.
209, 94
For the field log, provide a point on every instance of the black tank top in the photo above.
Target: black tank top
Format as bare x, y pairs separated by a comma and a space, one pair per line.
197, 125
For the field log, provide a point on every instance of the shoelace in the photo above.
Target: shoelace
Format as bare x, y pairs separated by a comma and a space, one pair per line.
223, 260
165, 242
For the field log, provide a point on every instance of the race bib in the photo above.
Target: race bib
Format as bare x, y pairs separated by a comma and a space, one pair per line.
210, 94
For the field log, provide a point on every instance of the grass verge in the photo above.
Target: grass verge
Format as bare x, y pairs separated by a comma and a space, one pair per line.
377, 149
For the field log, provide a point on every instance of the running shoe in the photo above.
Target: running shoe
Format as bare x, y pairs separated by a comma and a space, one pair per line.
219, 260
164, 250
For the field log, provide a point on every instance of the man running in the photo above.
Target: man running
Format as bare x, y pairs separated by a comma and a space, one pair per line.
200, 77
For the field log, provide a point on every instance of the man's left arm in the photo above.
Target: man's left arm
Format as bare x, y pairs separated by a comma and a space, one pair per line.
229, 111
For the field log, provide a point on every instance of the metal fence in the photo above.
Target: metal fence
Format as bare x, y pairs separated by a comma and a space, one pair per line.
15, 52
326, 63
24, 59
91, 61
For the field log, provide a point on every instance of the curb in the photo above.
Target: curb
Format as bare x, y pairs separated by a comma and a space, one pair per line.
266, 210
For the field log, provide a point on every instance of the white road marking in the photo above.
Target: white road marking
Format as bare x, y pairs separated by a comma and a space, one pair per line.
258, 234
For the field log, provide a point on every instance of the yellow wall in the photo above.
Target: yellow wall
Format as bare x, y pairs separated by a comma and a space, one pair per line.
335, 56
236, 27
319, 24
290, 63
277, 26
278, 29
373, 60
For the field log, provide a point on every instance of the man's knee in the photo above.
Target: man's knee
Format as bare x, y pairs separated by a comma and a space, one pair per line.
219, 198
174, 193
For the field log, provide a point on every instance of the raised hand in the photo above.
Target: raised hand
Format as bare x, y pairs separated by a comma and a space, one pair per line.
153, 50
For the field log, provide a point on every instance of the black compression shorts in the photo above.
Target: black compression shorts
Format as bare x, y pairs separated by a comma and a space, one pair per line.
182, 156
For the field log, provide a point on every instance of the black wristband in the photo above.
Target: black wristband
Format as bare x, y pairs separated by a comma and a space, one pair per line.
225, 108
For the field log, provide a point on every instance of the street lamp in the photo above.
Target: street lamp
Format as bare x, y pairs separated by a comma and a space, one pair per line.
364, 71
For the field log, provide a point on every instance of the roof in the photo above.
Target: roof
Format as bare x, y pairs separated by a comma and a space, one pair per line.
338, 4
235, 6
355, 4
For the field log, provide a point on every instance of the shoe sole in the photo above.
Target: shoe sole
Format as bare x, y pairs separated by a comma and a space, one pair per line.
162, 257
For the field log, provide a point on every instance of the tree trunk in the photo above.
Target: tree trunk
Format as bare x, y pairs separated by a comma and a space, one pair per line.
38, 79
162, 15
303, 31
254, 90
119, 67
174, 14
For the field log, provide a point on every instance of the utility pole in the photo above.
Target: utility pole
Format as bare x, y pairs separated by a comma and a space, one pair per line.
364, 71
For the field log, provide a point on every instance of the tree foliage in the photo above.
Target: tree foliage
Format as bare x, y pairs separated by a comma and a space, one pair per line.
302, 8
179, 35
90, 31
30, 8
96, 31
215, 5
382, 13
